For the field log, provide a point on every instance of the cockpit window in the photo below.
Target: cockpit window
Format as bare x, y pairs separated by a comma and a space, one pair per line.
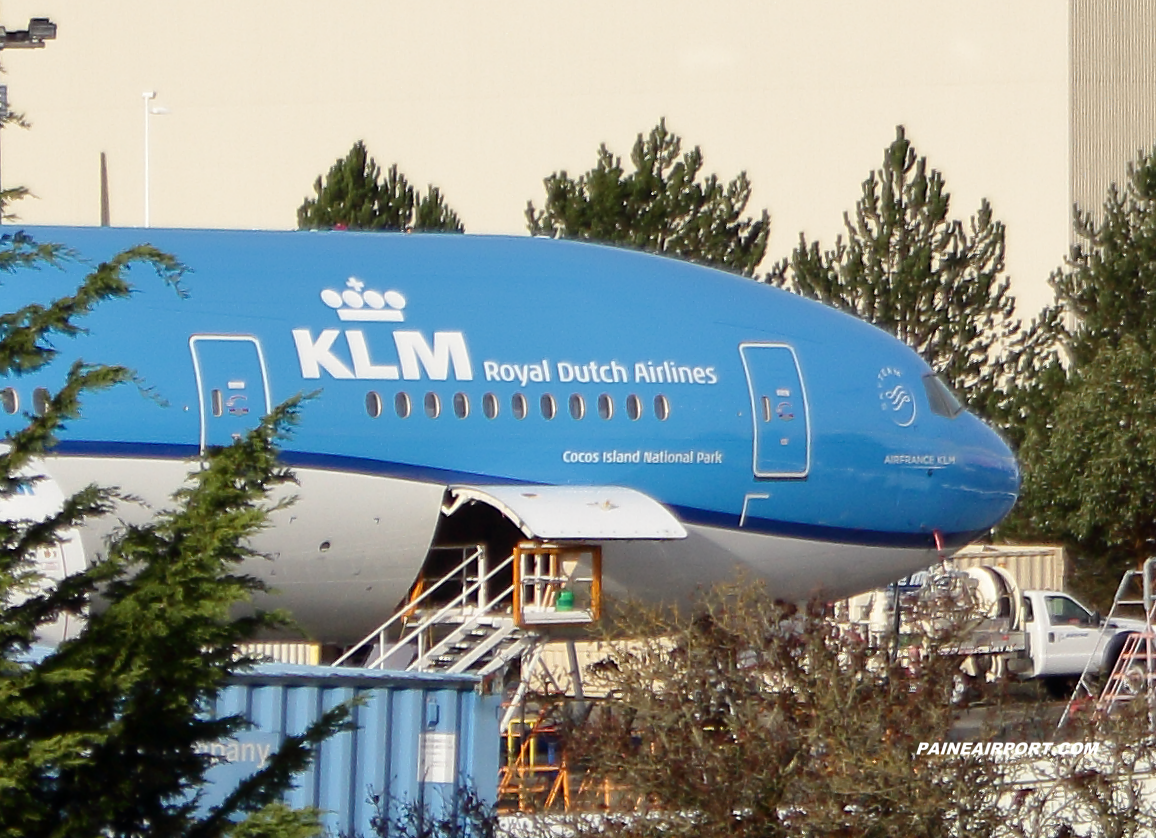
940, 397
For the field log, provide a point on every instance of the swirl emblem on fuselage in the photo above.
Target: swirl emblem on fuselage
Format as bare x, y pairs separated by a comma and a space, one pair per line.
895, 398
365, 306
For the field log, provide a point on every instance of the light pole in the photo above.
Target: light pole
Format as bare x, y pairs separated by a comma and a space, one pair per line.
148, 96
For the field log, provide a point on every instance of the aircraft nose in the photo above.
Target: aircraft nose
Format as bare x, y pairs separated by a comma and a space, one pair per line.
994, 474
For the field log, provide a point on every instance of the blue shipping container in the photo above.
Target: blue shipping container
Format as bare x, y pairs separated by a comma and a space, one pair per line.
420, 739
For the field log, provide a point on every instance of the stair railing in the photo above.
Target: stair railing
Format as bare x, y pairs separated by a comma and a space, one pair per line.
1124, 683
1117, 686
1085, 688
378, 637
419, 630
464, 628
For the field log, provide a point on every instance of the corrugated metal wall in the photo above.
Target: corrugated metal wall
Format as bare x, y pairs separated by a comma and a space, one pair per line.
1113, 92
420, 739
1033, 568
295, 651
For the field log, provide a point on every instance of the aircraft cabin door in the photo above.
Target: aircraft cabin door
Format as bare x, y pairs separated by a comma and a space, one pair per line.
232, 387
782, 429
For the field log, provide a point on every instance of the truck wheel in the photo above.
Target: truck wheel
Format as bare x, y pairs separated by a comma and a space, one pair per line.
1133, 679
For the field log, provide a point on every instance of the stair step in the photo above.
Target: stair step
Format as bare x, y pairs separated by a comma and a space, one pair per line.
478, 643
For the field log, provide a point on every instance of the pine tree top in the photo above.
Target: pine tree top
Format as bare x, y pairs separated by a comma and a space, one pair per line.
354, 195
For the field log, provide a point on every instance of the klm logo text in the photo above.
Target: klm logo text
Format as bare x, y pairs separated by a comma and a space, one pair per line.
412, 357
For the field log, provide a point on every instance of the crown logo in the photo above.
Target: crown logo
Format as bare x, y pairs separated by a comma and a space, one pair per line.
365, 306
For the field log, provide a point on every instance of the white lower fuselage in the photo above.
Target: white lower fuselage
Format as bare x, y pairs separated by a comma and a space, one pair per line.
347, 551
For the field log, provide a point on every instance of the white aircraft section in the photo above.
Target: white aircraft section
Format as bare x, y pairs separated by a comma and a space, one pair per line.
592, 513
38, 498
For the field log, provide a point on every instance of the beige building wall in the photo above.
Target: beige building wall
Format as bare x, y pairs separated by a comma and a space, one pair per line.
486, 99
1113, 90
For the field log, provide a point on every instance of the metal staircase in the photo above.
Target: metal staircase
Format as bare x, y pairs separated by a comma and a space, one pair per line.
456, 624
1134, 671
482, 645
477, 618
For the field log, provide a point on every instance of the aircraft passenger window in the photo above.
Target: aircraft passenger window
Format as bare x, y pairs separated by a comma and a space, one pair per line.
577, 406
433, 405
10, 400
490, 405
549, 406
461, 405
940, 398
519, 406
373, 404
767, 411
218, 404
605, 406
661, 408
633, 406
401, 405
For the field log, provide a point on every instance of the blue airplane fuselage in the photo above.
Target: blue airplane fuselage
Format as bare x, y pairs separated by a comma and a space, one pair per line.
790, 439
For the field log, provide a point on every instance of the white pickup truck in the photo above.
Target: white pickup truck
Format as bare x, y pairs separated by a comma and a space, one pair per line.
1062, 637
1032, 633
1040, 633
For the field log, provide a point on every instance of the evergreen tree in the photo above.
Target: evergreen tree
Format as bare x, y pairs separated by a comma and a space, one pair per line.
102, 735
1083, 408
909, 268
11, 194
1107, 287
662, 206
353, 196
1090, 468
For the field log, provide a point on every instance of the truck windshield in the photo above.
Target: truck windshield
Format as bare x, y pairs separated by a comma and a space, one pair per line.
1064, 611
